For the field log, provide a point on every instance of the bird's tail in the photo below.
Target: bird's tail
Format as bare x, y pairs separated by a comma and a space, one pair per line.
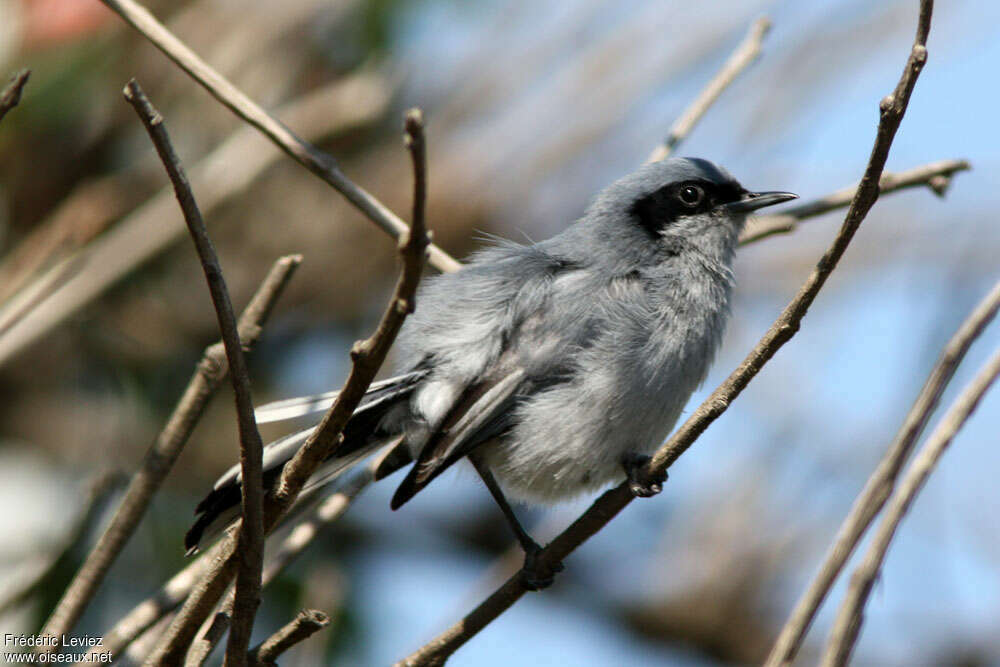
363, 435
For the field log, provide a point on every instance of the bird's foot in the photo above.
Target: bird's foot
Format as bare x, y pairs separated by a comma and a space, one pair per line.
536, 574
640, 482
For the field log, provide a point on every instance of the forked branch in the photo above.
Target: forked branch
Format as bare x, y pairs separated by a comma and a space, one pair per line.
607, 506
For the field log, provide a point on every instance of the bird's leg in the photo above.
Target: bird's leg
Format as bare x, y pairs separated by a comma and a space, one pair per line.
535, 575
640, 482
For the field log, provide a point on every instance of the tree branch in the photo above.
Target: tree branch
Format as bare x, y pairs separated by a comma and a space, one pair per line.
209, 373
302, 535
10, 96
229, 169
848, 622
145, 615
367, 357
607, 506
935, 175
326, 513
203, 646
873, 497
745, 54
303, 626
318, 162
251, 532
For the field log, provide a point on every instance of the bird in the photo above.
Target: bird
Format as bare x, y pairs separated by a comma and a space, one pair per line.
556, 368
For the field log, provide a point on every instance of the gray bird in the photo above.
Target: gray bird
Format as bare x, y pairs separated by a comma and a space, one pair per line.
556, 368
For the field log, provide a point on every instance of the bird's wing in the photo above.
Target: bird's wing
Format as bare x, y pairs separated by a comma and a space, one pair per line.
361, 437
482, 412
371, 409
386, 390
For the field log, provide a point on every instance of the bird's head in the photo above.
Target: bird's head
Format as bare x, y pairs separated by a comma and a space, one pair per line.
680, 202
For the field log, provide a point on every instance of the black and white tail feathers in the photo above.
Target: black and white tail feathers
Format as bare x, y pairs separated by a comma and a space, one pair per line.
362, 437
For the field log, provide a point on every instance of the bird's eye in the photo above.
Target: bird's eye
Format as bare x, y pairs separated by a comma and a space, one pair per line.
691, 195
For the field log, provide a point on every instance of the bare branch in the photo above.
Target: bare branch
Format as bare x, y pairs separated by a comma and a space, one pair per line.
328, 512
367, 357
873, 497
251, 533
209, 374
745, 54
202, 647
315, 160
146, 616
303, 626
229, 169
613, 501
936, 176
848, 622
200, 602
10, 96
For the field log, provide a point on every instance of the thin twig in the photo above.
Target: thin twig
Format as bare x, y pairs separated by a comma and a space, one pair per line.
367, 358
228, 170
202, 647
303, 626
877, 489
145, 616
301, 536
306, 154
607, 506
935, 175
324, 514
848, 623
251, 533
208, 375
745, 54
10, 96
200, 602
99, 492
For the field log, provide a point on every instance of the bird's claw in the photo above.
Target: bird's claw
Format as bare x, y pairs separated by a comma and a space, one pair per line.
640, 482
536, 574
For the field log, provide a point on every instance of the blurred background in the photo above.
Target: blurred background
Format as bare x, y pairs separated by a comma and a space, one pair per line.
531, 108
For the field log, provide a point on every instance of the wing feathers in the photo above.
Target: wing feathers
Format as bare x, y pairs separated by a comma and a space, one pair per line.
479, 415
361, 437
386, 390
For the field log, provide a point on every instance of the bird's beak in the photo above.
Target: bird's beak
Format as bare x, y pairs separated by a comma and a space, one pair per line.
751, 201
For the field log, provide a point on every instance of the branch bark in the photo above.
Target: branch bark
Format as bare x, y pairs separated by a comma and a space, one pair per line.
328, 512
251, 533
607, 506
208, 376
848, 623
876, 492
82, 274
144, 617
745, 54
302, 627
318, 162
936, 175
367, 357
10, 96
